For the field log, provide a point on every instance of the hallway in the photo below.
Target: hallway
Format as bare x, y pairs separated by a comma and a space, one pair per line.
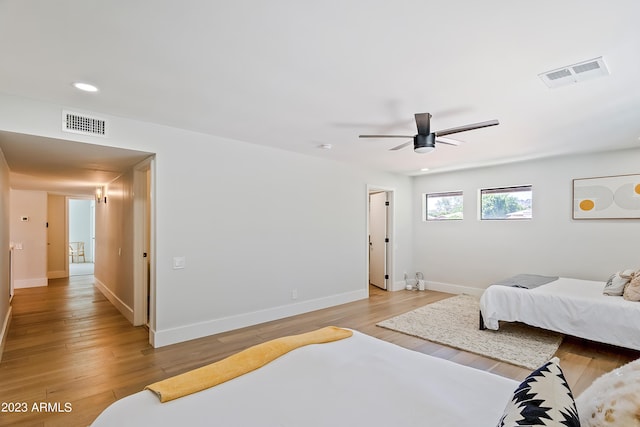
68, 345
81, 268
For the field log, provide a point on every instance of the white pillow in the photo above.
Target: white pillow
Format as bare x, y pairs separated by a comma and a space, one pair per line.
616, 283
613, 400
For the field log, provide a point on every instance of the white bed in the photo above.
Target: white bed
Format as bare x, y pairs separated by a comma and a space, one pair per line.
357, 381
570, 306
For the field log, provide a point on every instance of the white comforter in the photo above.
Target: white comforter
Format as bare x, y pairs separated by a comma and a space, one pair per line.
358, 381
571, 306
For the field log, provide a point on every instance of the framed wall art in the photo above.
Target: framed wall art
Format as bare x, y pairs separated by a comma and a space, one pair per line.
607, 197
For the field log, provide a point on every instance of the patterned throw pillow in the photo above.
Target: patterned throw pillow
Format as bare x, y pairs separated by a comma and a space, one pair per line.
542, 399
632, 290
616, 283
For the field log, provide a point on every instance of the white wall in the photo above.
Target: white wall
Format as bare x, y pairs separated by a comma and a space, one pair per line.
5, 309
114, 245
253, 223
29, 238
468, 255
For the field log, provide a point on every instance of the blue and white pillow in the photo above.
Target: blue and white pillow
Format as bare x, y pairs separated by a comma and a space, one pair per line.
542, 399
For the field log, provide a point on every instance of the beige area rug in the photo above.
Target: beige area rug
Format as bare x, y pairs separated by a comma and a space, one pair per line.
454, 322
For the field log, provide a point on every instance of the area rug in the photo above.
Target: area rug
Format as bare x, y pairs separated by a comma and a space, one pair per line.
454, 322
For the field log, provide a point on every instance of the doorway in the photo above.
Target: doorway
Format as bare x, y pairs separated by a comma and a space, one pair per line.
143, 243
81, 236
379, 231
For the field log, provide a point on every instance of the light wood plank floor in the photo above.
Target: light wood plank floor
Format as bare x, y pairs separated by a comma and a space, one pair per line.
68, 344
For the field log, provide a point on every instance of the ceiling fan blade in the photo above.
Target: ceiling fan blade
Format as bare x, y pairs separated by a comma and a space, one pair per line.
401, 146
423, 123
467, 127
448, 141
385, 136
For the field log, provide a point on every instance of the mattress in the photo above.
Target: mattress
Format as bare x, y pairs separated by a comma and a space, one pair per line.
360, 380
570, 306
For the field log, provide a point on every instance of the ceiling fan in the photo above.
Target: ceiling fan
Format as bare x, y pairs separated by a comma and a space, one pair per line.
425, 140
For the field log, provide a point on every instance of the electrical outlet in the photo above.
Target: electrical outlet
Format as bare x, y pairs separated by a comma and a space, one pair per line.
294, 294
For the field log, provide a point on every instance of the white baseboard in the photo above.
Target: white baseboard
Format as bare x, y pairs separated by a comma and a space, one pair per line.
30, 283
117, 302
57, 274
398, 286
5, 331
216, 326
453, 288
152, 336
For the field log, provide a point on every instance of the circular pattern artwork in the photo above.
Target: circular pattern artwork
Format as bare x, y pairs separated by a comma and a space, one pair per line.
607, 197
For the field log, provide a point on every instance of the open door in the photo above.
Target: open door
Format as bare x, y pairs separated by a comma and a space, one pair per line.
142, 244
378, 239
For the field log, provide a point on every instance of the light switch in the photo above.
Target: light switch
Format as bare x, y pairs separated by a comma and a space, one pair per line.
179, 262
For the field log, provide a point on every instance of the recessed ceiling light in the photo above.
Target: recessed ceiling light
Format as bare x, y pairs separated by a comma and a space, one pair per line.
86, 87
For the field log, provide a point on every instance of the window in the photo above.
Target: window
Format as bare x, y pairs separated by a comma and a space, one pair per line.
443, 206
506, 203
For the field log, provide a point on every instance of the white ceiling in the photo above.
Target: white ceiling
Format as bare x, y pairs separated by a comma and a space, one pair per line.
297, 74
63, 167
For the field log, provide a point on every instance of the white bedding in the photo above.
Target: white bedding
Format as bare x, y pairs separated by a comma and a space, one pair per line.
358, 381
570, 306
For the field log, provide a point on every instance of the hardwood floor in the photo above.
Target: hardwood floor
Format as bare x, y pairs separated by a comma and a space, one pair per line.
69, 347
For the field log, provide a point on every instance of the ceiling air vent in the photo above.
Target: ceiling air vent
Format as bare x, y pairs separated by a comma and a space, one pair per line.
575, 73
84, 124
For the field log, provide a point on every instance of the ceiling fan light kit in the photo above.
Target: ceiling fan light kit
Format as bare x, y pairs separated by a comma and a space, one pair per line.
425, 140
424, 144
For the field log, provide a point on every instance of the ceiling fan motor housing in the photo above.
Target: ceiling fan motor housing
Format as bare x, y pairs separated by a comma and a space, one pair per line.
424, 143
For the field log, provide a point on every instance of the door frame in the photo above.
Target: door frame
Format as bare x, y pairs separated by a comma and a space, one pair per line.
144, 241
390, 259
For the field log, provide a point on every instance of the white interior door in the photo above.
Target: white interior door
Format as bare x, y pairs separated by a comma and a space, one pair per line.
377, 239
143, 299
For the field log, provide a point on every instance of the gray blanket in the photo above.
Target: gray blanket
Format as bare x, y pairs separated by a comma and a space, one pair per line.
527, 281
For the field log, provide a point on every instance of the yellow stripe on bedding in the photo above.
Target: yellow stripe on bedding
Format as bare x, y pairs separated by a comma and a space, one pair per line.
240, 363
